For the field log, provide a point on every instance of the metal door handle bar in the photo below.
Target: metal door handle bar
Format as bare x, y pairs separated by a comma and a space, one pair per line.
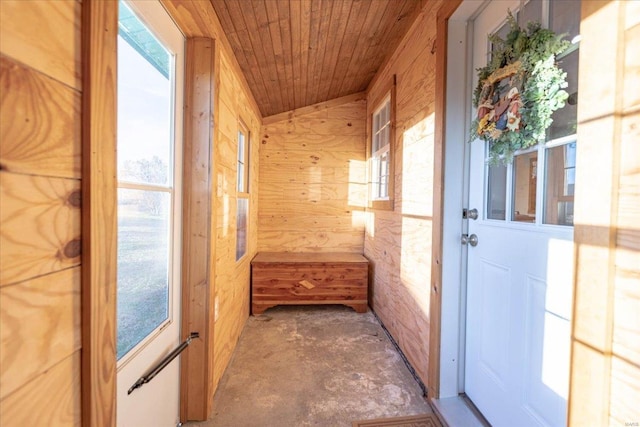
163, 363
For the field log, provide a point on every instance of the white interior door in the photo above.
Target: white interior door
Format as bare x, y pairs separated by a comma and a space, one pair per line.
150, 86
520, 273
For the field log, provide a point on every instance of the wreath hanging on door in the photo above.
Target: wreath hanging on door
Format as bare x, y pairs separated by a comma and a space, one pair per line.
519, 90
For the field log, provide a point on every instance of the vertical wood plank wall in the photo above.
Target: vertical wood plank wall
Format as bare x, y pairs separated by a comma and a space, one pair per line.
605, 376
40, 215
231, 285
229, 300
398, 243
312, 178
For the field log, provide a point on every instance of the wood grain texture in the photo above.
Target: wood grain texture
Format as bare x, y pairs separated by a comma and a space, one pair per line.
302, 278
40, 219
232, 283
435, 297
52, 399
605, 378
298, 53
99, 208
312, 179
398, 242
196, 394
40, 326
40, 214
197, 18
44, 35
41, 136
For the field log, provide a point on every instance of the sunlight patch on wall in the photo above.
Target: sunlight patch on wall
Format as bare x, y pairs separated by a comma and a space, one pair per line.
359, 219
417, 168
357, 183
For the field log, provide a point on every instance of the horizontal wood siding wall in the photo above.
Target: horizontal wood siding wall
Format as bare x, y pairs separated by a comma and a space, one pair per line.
232, 278
605, 377
398, 242
40, 171
312, 178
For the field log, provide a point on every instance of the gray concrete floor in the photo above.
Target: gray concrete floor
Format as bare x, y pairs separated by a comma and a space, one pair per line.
313, 366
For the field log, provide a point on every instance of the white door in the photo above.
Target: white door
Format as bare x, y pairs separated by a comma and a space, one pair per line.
520, 273
150, 86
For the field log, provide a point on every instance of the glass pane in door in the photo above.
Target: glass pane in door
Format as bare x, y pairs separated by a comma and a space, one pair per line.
144, 103
560, 184
525, 178
497, 192
143, 264
145, 181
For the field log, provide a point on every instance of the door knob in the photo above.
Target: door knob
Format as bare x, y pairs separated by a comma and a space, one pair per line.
470, 214
469, 240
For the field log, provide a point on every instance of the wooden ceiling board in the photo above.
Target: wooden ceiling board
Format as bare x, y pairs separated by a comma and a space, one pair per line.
296, 53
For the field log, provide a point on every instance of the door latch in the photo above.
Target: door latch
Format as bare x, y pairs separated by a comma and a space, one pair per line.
471, 240
470, 214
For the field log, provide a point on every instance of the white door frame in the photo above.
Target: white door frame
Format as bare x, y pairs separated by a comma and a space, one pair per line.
456, 183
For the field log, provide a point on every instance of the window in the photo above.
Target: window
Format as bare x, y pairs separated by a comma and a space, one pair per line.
538, 186
381, 177
242, 190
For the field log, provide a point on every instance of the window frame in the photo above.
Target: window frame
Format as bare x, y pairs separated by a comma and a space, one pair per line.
377, 203
242, 191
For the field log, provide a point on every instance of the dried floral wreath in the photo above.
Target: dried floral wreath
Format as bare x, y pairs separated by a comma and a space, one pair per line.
519, 90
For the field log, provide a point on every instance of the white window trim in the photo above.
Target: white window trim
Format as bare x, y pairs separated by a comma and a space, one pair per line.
376, 175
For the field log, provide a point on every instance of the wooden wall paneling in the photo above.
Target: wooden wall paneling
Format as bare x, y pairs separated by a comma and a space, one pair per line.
99, 212
337, 106
433, 376
40, 326
44, 35
259, 28
274, 23
231, 298
371, 32
40, 212
311, 53
215, 210
51, 146
348, 48
398, 242
312, 195
305, 37
605, 373
53, 400
284, 24
319, 53
317, 126
253, 36
40, 226
199, 19
295, 17
337, 29
404, 17
196, 395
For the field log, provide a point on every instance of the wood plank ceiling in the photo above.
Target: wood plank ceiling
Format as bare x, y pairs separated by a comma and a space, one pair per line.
295, 53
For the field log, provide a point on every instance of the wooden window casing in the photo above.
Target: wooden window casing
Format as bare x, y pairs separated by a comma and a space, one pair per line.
381, 142
242, 190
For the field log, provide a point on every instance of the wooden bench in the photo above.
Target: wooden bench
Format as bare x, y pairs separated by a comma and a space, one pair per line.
285, 278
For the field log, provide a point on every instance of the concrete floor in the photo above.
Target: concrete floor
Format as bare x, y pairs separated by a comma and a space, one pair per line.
313, 366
